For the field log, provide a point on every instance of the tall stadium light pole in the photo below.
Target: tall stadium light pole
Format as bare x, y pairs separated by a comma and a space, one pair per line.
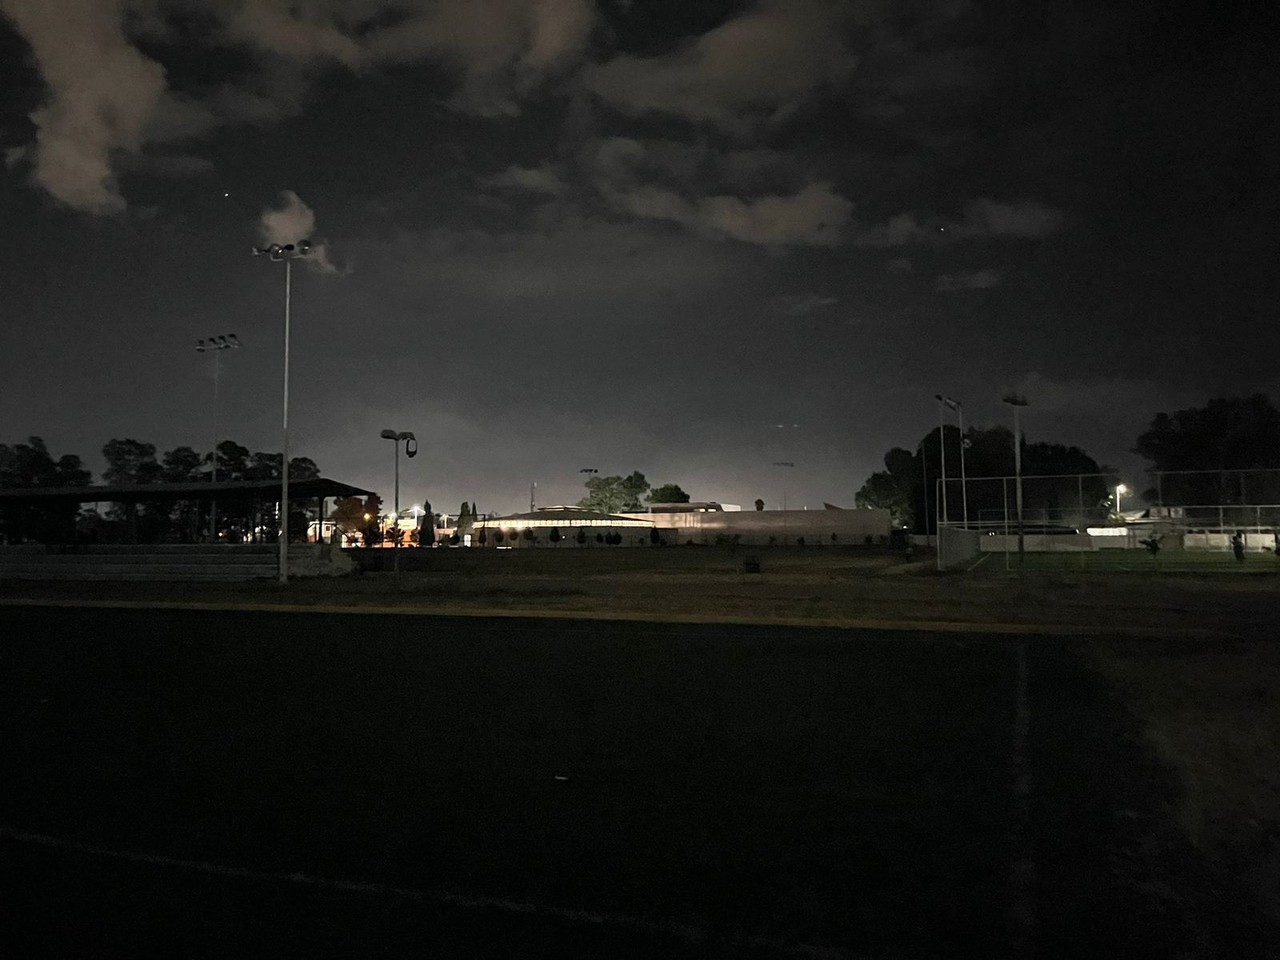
1018, 401
955, 405
288, 253
215, 344
791, 465
942, 454
410, 449
924, 470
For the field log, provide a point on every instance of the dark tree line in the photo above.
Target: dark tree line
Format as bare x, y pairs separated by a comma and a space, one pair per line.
30, 465
1236, 439
909, 480
1227, 448
135, 463
628, 494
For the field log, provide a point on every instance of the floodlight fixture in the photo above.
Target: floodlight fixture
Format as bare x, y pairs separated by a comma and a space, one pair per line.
410, 448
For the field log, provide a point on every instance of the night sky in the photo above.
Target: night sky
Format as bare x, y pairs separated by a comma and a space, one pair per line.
687, 238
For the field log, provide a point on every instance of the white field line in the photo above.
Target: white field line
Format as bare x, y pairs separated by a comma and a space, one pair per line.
1022, 873
685, 932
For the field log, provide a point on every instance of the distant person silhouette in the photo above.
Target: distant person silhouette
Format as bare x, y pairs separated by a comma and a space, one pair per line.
1237, 545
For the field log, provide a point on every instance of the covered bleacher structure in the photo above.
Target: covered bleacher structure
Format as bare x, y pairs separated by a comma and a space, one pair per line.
43, 536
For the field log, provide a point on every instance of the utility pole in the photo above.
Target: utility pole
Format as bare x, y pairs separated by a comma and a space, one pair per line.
1017, 401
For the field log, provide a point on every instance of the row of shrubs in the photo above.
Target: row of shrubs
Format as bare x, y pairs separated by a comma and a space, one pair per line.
611, 537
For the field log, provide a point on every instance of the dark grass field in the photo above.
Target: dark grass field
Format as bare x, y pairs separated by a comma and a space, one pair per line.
232, 784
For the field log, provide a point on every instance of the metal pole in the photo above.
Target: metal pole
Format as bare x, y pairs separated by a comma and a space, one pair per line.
942, 447
395, 544
1004, 490
964, 489
924, 469
213, 498
284, 458
1017, 469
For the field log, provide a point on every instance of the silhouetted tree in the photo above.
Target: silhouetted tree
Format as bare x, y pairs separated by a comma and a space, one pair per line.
615, 494
27, 465
1226, 434
667, 493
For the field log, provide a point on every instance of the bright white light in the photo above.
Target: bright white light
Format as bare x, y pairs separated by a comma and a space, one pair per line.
1122, 489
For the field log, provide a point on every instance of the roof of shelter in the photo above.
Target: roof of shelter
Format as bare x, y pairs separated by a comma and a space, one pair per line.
565, 514
231, 489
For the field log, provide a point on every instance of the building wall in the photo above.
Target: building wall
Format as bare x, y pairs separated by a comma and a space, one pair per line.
763, 527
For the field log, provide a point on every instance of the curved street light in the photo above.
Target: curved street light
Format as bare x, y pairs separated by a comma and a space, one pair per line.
288, 253
411, 450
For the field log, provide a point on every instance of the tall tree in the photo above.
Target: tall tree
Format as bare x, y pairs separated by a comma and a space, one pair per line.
886, 491
181, 465
667, 493
29, 464
233, 460
1227, 435
909, 481
615, 494
130, 462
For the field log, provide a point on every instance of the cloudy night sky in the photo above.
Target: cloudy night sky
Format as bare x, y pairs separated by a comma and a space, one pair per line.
687, 238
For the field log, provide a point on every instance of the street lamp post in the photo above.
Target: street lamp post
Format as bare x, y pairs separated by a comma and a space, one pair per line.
288, 253
964, 486
1120, 488
942, 453
1018, 401
227, 341
411, 450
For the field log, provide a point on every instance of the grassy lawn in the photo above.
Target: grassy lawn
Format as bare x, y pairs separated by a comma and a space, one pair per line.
1202, 680
1138, 561
1212, 712
789, 787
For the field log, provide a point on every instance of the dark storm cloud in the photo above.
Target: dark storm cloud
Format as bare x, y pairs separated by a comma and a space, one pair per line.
757, 67
104, 95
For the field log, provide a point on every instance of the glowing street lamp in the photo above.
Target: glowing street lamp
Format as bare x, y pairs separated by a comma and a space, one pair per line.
226, 341
1120, 488
411, 450
288, 253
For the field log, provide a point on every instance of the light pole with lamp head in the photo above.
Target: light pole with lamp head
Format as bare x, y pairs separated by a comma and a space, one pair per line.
410, 450
944, 516
1017, 401
227, 341
1120, 488
964, 491
288, 253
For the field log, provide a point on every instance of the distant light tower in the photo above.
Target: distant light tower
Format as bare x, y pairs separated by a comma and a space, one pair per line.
411, 450
955, 405
1017, 401
943, 515
226, 341
784, 463
288, 253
